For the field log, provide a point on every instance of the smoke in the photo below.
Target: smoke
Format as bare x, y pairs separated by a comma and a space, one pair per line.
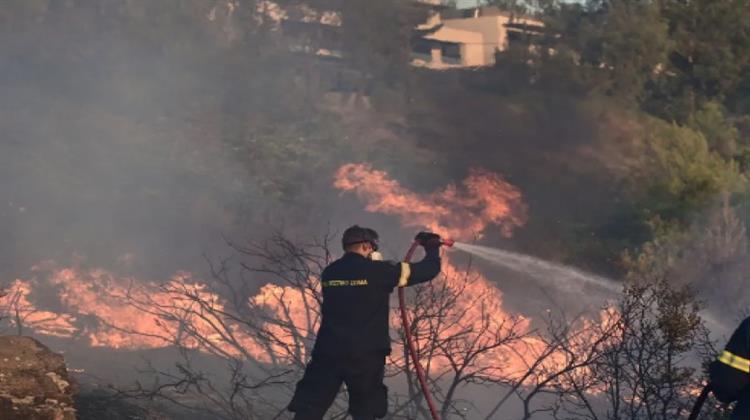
137, 141
138, 147
101, 157
137, 134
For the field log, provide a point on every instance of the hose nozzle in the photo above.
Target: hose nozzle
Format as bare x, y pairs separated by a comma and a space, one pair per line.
432, 240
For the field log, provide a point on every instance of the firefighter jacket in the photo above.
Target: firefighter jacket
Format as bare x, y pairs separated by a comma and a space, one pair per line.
356, 307
730, 372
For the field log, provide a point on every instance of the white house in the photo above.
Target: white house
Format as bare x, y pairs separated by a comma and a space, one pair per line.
470, 37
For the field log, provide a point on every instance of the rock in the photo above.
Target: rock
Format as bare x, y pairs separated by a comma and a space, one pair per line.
34, 383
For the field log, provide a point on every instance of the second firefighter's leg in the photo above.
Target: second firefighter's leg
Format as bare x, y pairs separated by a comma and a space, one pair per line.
317, 390
368, 396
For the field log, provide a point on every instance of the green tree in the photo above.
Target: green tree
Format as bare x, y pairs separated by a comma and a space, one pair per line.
613, 47
721, 133
377, 38
680, 175
710, 55
628, 40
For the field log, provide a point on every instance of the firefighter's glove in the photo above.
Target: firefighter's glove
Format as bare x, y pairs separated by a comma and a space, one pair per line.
429, 240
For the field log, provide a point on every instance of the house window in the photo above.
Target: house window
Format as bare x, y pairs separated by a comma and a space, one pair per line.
515, 36
422, 51
422, 47
451, 53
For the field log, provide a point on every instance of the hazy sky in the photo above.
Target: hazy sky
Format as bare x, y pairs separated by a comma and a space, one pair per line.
469, 3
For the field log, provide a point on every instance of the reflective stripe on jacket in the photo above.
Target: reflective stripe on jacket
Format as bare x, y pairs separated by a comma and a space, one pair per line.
730, 372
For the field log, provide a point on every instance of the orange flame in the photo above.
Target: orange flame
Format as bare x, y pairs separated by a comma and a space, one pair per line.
24, 314
478, 317
477, 320
479, 333
116, 312
459, 212
107, 310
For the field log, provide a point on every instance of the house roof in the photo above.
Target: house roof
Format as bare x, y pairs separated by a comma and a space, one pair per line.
456, 36
433, 4
472, 12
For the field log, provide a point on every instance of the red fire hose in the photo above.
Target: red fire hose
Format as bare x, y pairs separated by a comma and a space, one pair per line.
699, 402
409, 339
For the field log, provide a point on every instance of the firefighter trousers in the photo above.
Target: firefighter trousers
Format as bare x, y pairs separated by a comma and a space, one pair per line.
363, 376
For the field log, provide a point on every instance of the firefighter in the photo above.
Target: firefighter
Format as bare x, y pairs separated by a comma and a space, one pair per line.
730, 372
353, 339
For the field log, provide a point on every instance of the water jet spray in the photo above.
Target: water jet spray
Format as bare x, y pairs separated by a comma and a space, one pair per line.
563, 277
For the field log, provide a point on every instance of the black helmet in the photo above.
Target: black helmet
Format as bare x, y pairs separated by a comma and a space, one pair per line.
357, 234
